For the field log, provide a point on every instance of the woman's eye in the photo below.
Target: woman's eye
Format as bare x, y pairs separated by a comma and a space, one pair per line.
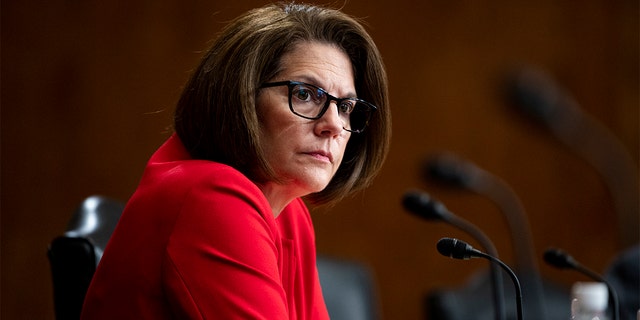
346, 106
308, 94
302, 94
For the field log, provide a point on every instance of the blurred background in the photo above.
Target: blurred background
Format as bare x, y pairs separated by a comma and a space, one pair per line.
88, 90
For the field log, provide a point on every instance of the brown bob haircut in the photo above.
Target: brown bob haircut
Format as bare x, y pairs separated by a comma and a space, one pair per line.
216, 116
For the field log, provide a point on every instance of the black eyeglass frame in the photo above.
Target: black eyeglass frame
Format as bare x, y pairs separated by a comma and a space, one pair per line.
291, 84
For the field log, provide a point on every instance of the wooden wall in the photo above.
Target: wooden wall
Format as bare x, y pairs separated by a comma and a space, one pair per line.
88, 88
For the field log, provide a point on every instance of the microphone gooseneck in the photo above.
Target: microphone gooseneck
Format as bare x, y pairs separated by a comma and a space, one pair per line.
562, 260
458, 249
425, 207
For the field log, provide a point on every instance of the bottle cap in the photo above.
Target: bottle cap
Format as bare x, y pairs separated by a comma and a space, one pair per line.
590, 295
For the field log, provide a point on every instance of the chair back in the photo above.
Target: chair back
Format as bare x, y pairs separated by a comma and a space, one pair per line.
74, 256
348, 288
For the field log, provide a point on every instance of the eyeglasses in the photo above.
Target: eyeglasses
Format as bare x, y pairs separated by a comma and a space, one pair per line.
311, 102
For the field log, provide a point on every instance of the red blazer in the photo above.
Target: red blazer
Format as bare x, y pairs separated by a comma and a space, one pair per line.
198, 240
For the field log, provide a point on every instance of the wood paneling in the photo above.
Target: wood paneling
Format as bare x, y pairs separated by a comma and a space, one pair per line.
88, 89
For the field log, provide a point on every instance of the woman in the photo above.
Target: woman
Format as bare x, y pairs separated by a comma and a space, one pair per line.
290, 102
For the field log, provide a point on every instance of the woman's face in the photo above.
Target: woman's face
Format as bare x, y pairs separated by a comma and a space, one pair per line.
305, 154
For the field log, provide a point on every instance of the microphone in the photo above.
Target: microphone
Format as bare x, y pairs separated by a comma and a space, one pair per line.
458, 249
536, 95
428, 208
449, 169
425, 207
452, 170
562, 260
422, 205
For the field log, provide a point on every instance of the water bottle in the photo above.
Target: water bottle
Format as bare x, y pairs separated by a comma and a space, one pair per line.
589, 301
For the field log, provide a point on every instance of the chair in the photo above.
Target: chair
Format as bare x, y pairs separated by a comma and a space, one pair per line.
347, 286
73, 256
348, 289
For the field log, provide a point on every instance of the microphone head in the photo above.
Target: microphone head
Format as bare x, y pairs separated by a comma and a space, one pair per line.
454, 248
534, 93
448, 169
559, 259
422, 205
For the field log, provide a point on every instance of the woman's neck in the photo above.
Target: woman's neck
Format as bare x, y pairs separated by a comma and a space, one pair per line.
278, 195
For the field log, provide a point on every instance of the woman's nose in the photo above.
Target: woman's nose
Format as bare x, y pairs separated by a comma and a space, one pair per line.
331, 121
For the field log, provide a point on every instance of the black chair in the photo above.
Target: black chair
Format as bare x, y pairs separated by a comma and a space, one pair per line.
73, 256
347, 286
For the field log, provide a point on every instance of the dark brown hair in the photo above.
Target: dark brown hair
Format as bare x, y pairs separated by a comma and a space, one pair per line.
216, 116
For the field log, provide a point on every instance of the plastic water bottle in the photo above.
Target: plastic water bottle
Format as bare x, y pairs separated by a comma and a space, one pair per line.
589, 301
